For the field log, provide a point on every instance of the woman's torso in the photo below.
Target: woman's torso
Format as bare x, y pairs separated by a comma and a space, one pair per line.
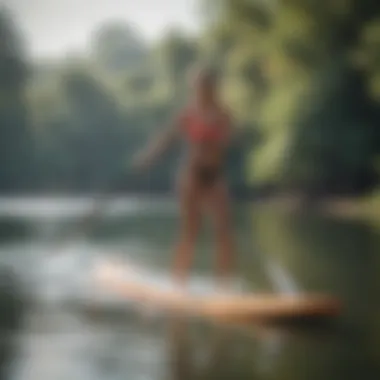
205, 133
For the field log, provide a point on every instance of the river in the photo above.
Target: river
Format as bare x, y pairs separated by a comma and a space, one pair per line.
69, 331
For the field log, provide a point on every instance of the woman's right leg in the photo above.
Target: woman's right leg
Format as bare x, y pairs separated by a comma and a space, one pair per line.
190, 213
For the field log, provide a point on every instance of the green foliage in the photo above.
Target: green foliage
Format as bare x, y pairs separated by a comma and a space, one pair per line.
16, 151
301, 77
89, 116
289, 75
117, 47
174, 55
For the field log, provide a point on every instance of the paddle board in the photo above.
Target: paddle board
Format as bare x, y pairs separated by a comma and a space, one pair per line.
233, 307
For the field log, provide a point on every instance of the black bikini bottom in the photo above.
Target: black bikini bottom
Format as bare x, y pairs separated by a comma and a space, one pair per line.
206, 175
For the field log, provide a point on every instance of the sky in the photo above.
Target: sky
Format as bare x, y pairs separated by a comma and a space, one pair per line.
56, 27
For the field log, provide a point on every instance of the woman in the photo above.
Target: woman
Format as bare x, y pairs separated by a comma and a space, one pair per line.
206, 127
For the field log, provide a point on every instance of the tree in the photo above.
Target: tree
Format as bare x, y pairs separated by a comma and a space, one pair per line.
95, 134
290, 77
175, 54
116, 46
16, 148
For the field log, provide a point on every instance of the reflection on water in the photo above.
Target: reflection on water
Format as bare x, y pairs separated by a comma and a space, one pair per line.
65, 336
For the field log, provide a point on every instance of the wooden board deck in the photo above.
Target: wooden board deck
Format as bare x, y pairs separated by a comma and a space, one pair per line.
225, 307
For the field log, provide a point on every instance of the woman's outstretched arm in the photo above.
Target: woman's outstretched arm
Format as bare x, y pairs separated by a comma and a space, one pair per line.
158, 145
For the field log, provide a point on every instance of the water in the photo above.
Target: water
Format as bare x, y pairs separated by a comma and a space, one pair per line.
74, 331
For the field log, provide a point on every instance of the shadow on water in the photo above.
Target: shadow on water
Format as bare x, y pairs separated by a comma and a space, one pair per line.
206, 354
13, 229
241, 351
13, 306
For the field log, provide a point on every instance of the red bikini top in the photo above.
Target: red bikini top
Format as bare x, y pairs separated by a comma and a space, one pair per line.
198, 130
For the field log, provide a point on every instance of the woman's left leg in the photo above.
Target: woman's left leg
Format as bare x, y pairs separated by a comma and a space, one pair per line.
220, 207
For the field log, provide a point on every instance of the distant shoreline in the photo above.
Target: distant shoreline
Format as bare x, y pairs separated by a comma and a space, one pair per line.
367, 208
